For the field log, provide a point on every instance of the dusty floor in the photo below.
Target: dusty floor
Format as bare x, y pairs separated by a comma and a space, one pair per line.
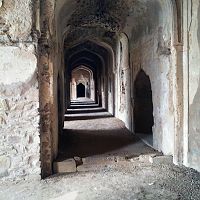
91, 131
117, 181
111, 168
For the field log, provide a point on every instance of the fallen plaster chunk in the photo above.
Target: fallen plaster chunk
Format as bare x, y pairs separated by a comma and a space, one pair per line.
66, 166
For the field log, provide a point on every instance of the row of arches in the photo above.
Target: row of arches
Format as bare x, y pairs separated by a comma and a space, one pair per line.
133, 73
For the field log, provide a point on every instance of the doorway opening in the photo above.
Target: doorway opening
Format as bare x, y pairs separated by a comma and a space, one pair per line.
80, 90
143, 106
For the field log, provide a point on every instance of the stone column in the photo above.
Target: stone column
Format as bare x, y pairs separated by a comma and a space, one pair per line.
92, 90
45, 73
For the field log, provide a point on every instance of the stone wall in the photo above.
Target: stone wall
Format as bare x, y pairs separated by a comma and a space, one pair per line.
19, 118
151, 50
19, 95
194, 86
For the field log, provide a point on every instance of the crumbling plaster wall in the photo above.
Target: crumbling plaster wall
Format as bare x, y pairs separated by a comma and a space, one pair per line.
19, 94
194, 84
151, 50
122, 82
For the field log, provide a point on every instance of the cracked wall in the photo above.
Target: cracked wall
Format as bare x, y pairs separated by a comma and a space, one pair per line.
194, 87
19, 94
151, 50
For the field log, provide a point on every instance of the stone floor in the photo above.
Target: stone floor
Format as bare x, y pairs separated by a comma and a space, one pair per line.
123, 180
90, 131
115, 165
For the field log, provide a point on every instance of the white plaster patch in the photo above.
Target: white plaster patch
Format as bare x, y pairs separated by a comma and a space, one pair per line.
17, 64
1, 3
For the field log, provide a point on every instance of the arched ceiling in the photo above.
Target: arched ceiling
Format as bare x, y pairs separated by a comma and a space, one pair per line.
105, 19
86, 53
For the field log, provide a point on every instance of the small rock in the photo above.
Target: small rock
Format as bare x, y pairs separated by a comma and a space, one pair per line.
66, 166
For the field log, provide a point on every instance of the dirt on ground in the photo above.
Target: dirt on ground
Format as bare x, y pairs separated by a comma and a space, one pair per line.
123, 180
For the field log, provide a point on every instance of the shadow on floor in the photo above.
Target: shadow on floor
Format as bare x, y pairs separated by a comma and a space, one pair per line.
93, 131
84, 143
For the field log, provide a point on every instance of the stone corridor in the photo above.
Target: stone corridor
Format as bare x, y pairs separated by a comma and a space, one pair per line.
99, 99
95, 136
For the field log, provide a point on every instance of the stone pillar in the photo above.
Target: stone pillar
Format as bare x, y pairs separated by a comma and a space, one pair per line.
92, 90
73, 89
45, 73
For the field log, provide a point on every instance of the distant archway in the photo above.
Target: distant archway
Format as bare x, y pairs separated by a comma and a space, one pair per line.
143, 105
80, 90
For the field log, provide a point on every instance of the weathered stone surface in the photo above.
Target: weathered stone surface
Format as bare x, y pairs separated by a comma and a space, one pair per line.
19, 103
21, 65
5, 164
102, 160
90, 167
17, 15
66, 166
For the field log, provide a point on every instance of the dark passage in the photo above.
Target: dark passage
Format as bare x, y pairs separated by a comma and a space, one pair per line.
143, 108
80, 90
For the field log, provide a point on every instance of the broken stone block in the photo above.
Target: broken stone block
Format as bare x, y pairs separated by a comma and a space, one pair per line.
161, 159
90, 167
103, 160
66, 166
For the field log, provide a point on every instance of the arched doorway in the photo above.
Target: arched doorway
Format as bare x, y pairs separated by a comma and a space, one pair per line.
80, 90
143, 105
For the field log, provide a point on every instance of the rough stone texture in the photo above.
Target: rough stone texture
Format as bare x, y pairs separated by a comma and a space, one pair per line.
147, 53
5, 163
16, 20
194, 88
19, 118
